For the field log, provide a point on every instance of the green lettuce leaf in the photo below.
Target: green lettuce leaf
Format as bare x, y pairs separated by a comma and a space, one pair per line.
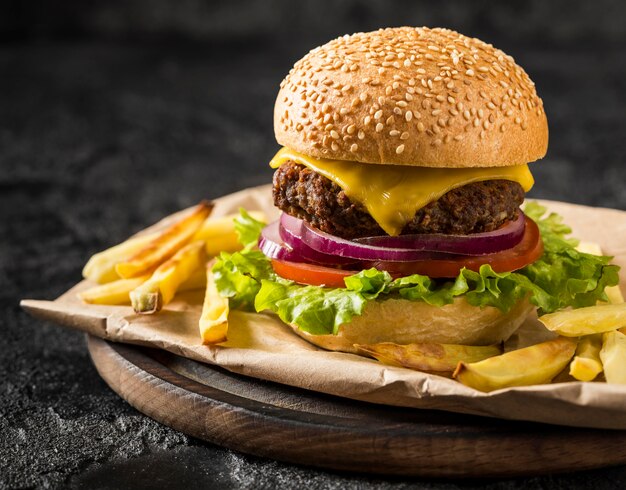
238, 276
248, 229
562, 277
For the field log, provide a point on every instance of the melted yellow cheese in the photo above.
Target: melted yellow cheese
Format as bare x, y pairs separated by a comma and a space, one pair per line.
392, 194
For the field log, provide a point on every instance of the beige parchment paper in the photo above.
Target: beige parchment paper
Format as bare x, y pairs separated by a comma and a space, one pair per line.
261, 346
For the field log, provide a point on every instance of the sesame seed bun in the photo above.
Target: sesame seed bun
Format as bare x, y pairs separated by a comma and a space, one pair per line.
404, 322
411, 96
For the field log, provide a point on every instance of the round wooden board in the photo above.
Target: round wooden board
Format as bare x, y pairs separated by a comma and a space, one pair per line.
313, 429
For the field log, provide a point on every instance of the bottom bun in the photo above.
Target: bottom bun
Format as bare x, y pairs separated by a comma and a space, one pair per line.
405, 322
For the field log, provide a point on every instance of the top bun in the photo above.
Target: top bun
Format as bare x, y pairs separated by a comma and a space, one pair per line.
411, 96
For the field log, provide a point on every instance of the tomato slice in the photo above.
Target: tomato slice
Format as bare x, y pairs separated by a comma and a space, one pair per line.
315, 275
527, 251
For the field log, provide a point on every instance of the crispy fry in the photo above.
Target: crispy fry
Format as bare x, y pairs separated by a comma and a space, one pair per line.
112, 293
613, 292
159, 290
219, 234
197, 280
536, 364
586, 364
427, 356
100, 267
586, 321
166, 244
613, 355
214, 319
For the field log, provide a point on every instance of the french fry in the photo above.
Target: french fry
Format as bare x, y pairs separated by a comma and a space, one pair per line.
536, 364
197, 280
112, 293
161, 287
586, 321
586, 364
100, 267
165, 245
427, 356
219, 234
214, 318
613, 355
613, 292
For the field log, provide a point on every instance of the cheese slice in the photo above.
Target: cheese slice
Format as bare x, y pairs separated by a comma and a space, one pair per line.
392, 194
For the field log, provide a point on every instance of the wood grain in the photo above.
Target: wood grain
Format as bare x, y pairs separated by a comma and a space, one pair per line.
299, 426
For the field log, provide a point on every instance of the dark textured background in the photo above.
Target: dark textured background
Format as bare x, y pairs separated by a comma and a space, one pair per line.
117, 113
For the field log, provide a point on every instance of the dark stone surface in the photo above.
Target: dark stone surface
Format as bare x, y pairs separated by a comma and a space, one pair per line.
100, 138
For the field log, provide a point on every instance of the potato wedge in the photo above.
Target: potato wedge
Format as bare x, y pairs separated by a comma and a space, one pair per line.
112, 293
586, 364
613, 355
197, 280
536, 364
214, 318
586, 321
427, 356
100, 267
161, 287
166, 244
219, 234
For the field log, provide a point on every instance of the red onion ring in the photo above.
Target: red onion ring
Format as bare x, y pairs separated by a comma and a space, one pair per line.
273, 246
503, 238
332, 245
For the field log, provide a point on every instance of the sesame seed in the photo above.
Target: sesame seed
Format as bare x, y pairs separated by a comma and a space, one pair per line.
379, 127
351, 129
334, 146
469, 72
354, 148
408, 116
404, 136
367, 120
399, 149
436, 112
394, 132
420, 127
361, 135
378, 114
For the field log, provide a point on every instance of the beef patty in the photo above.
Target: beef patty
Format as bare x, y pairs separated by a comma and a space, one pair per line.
472, 208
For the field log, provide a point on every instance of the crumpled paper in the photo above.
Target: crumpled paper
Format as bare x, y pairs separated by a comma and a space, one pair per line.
261, 346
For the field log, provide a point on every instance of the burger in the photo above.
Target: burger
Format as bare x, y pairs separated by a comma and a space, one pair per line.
403, 167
